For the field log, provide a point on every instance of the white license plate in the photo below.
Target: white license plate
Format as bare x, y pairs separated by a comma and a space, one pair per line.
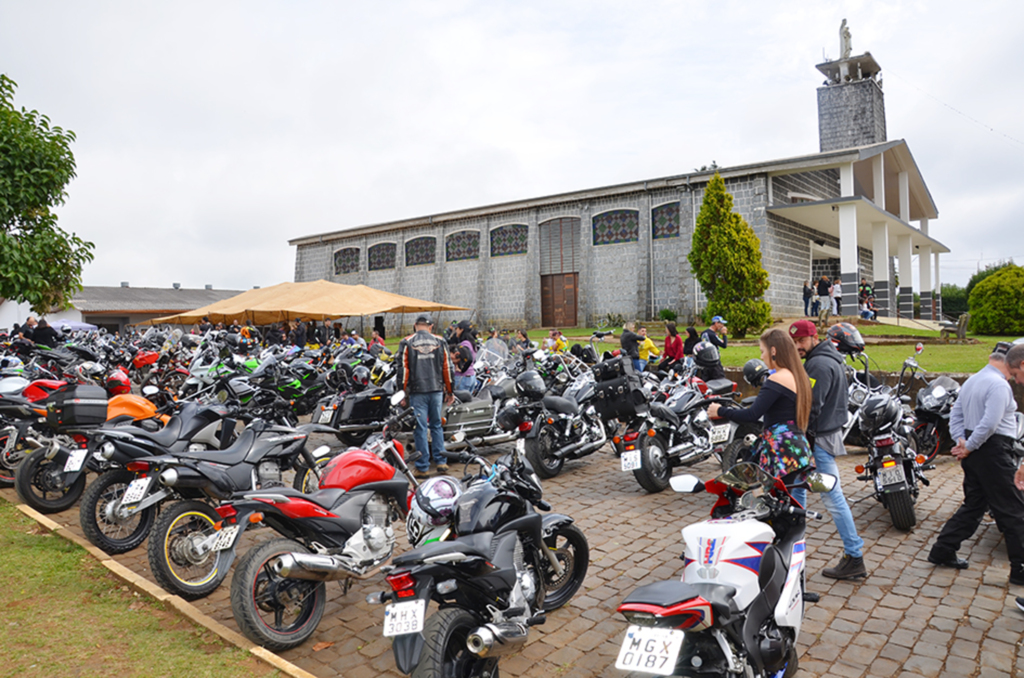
325, 416
75, 460
719, 434
136, 491
225, 538
893, 475
521, 446
403, 618
650, 650
631, 460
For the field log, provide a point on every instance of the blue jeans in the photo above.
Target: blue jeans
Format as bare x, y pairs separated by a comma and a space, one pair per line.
465, 383
835, 502
807, 305
639, 364
427, 407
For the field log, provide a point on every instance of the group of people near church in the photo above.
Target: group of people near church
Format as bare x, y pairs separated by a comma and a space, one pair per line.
827, 294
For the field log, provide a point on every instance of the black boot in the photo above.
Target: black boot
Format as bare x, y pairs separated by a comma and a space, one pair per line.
848, 568
1016, 574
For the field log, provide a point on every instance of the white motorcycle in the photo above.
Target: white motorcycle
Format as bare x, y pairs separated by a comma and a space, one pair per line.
739, 606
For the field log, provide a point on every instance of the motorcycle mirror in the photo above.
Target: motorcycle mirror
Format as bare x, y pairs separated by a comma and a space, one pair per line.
458, 436
919, 348
905, 399
150, 390
820, 482
686, 484
397, 397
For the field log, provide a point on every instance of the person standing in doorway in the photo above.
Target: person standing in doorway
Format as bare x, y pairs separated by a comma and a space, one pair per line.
829, 408
425, 374
808, 294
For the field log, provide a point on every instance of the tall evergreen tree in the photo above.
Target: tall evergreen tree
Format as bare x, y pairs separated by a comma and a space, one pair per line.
726, 260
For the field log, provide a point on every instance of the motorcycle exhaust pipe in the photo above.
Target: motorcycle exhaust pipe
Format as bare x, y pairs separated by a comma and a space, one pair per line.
494, 640
580, 449
313, 567
499, 438
351, 428
681, 450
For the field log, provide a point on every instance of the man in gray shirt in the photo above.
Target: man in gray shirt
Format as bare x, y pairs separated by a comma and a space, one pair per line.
983, 424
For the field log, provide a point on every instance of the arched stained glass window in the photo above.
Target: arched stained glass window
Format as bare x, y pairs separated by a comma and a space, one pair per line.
346, 260
665, 221
616, 226
421, 251
381, 256
462, 245
509, 239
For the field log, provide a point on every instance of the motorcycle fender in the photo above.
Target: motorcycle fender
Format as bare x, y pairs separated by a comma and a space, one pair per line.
535, 430
771, 579
552, 521
407, 650
789, 611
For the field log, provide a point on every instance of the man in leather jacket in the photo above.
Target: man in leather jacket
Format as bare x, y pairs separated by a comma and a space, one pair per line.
425, 374
829, 409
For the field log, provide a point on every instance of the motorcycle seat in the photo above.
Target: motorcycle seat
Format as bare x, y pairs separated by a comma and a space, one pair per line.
230, 456
720, 386
471, 544
165, 437
669, 593
463, 396
664, 413
561, 405
324, 498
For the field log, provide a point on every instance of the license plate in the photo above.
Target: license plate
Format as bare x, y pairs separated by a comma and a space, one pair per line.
403, 618
75, 460
719, 434
325, 416
136, 491
631, 460
225, 538
650, 650
893, 475
521, 446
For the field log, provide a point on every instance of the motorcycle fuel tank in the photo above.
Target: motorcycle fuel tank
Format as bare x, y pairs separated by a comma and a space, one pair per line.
356, 467
483, 509
727, 551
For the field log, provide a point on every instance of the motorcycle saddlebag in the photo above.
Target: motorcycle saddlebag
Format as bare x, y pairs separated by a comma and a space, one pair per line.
80, 405
608, 369
620, 398
371, 405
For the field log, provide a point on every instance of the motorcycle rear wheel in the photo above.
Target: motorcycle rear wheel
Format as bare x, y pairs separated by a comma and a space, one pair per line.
353, 438
39, 483
736, 452
104, 530
655, 467
573, 552
172, 556
256, 599
445, 652
539, 450
901, 509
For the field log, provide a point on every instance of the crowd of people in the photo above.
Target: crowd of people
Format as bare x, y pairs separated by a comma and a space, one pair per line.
827, 294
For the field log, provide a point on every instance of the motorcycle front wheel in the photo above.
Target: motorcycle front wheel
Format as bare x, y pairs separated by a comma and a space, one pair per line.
306, 480
901, 509
274, 611
573, 553
655, 469
173, 552
928, 441
101, 526
40, 483
445, 652
540, 451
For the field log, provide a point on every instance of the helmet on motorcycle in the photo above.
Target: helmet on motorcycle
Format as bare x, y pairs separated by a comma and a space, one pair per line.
879, 414
361, 376
755, 372
846, 337
117, 383
509, 418
706, 354
434, 501
530, 385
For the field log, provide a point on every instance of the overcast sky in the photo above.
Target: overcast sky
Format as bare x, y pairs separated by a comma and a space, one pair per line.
209, 133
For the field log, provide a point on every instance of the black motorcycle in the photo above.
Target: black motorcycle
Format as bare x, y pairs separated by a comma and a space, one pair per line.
933, 406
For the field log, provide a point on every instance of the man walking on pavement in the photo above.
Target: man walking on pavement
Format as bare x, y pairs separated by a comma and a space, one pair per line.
829, 410
425, 373
983, 424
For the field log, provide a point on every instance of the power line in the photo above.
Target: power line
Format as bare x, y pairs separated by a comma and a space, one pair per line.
1020, 143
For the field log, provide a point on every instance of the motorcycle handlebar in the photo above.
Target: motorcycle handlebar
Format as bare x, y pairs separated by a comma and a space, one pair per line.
797, 511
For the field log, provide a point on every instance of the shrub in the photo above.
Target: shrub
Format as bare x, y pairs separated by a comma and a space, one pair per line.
668, 315
997, 303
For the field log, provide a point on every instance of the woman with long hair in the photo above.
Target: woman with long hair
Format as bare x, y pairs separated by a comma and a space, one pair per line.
784, 402
692, 339
673, 348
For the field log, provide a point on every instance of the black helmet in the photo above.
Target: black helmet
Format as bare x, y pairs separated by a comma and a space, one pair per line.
509, 418
879, 414
755, 372
706, 354
846, 337
530, 385
361, 376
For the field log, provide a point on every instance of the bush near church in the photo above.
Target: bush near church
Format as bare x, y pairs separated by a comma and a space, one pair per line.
997, 303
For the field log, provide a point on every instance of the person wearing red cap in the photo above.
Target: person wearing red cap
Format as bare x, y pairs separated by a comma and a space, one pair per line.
829, 407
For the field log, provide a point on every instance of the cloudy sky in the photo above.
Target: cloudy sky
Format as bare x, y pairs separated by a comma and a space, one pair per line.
209, 133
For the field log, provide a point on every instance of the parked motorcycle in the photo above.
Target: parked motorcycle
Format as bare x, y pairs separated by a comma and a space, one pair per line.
738, 609
933, 406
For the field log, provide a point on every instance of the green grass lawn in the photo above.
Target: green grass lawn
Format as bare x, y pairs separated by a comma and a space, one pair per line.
66, 615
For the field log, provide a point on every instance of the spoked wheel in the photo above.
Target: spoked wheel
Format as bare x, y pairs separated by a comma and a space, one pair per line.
274, 611
928, 441
306, 480
179, 555
100, 517
40, 483
540, 452
445, 652
655, 470
573, 553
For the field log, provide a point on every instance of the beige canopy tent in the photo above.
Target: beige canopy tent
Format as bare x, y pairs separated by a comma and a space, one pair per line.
317, 300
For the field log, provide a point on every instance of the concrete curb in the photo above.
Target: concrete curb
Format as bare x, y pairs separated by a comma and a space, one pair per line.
179, 604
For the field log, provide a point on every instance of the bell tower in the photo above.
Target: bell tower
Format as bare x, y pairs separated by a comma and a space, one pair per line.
851, 105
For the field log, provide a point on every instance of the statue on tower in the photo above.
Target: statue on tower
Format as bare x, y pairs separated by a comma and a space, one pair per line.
845, 42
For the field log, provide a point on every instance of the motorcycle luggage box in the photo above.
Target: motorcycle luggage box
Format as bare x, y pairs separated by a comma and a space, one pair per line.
80, 405
371, 405
620, 398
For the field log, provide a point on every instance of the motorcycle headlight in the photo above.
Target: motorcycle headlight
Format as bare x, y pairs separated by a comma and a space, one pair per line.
929, 401
107, 450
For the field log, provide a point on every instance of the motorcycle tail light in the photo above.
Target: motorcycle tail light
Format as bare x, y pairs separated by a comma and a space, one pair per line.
638, 618
137, 466
631, 436
859, 468
226, 511
401, 581
888, 463
526, 426
884, 442
80, 439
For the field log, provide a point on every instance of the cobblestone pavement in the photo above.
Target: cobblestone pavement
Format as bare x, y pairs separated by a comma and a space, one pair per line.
908, 618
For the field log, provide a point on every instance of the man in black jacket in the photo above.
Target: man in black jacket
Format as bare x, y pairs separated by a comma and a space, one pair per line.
829, 410
425, 374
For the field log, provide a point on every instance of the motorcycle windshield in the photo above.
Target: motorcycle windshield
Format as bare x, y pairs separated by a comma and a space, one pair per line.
746, 476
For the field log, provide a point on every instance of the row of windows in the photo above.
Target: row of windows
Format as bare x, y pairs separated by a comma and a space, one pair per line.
609, 228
